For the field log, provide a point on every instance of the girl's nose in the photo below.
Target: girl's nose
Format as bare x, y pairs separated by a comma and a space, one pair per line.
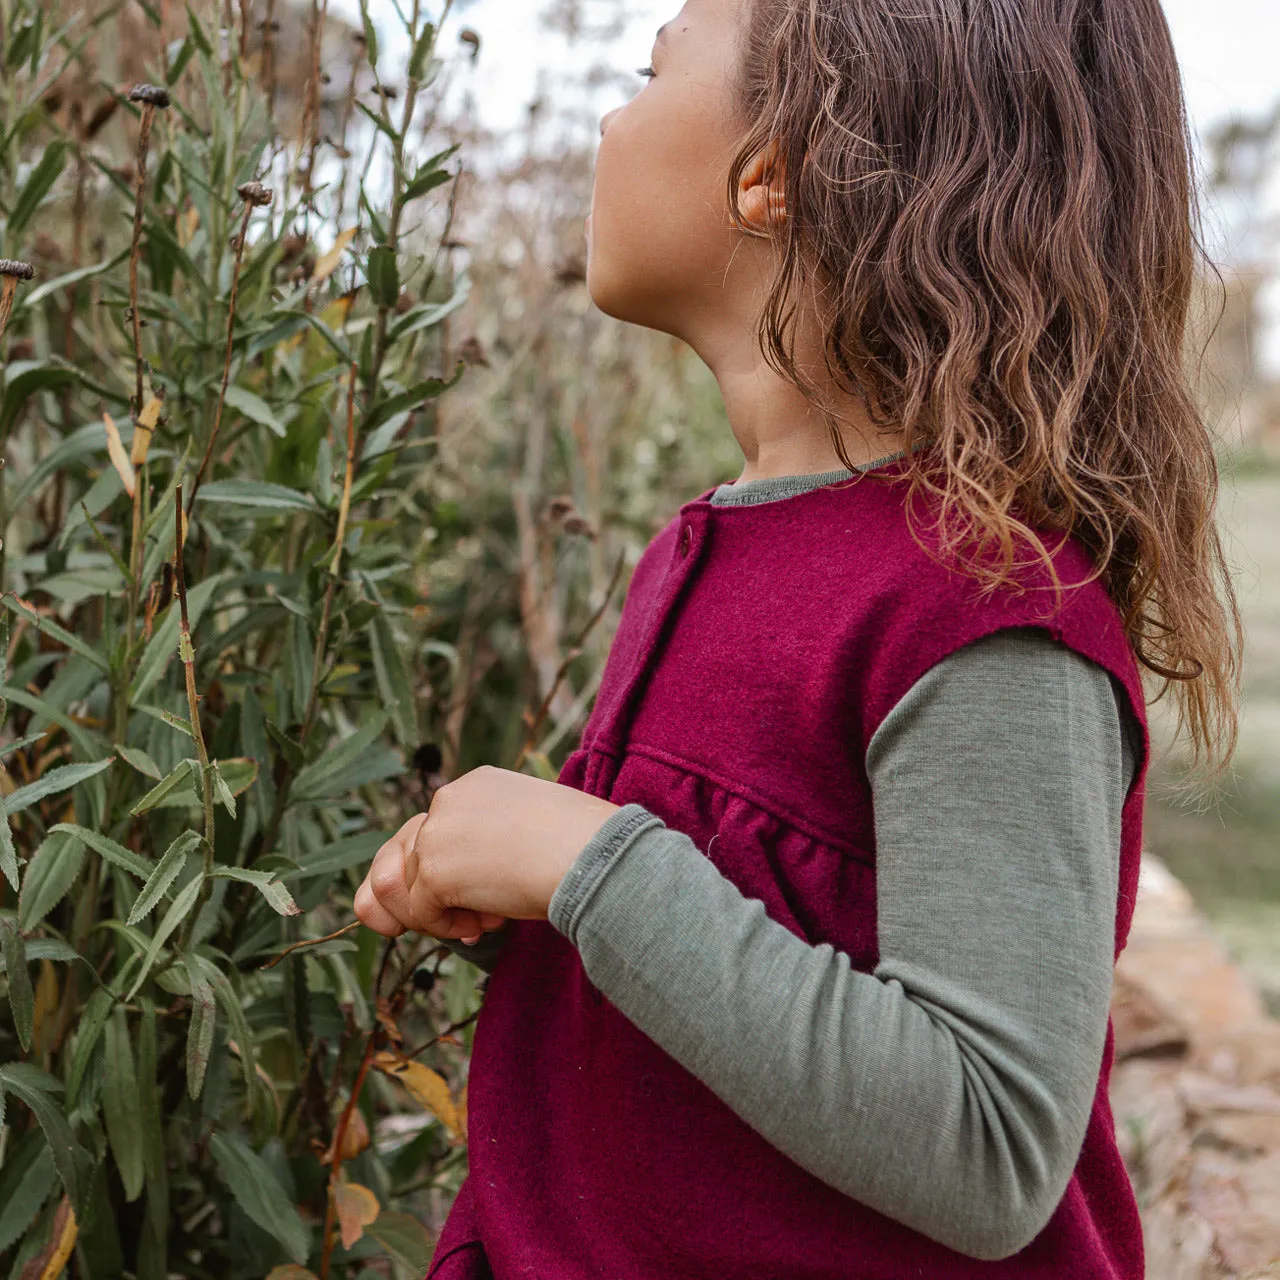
604, 119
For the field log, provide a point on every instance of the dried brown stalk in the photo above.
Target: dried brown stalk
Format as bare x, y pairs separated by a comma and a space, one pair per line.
152, 99
255, 196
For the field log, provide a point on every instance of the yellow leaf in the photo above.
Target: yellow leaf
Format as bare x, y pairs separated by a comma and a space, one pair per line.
143, 431
291, 1271
357, 1207
428, 1088
62, 1242
188, 221
335, 314
119, 459
327, 264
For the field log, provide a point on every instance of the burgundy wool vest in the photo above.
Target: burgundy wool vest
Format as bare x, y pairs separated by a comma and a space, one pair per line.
759, 649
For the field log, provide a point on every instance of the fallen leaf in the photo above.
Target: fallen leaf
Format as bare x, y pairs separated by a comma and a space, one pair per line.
119, 459
428, 1088
357, 1207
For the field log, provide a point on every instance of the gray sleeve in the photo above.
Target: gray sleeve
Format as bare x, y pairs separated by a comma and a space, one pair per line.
951, 1088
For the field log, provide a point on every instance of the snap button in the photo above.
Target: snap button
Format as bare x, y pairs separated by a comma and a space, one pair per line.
686, 538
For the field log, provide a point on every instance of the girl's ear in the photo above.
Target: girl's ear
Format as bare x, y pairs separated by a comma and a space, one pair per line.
760, 192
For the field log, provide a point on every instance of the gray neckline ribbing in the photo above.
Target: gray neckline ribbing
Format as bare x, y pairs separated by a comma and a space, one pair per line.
744, 493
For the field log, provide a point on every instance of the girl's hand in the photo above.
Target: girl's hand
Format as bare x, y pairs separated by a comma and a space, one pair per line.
494, 844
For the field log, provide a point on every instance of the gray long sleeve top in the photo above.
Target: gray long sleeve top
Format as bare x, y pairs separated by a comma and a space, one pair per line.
951, 1087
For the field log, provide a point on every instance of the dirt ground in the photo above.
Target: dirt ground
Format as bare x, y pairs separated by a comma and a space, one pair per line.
1228, 856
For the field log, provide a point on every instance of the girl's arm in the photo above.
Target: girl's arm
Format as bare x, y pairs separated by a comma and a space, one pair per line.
951, 1088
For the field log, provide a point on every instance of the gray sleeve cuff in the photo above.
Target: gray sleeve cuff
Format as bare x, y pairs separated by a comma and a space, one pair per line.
601, 852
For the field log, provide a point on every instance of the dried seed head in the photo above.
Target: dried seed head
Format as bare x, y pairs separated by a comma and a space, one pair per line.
149, 94
22, 270
255, 193
472, 39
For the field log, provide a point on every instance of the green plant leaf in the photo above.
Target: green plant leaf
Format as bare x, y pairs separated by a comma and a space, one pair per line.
258, 1192
370, 34
141, 761
424, 317
120, 1104
93, 1018
266, 884
56, 780
134, 863
384, 276
16, 605
21, 998
255, 408
424, 182
404, 1238
178, 777
351, 851
257, 493
166, 872
329, 774
43, 291
395, 686
25, 378
422, 51
24, 1187
70, 1159
417, 395
36, 187
51, 872
178, 911
8, 854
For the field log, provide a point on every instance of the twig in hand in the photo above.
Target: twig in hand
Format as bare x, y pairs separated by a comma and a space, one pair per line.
153, 99
310, 942
10, 273
255, 196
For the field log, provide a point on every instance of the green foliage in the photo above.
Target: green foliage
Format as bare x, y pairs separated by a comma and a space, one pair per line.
212, 625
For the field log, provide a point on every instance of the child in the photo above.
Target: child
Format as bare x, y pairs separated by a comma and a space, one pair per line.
801, 970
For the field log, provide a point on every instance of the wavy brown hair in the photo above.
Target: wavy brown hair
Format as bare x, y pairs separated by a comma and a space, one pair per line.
992, 205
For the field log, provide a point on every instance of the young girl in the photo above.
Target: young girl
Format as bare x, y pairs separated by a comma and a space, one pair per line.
801, 970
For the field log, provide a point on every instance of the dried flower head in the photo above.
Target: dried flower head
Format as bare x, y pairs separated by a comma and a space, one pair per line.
20, 270
150, 95
470, 38
255, 193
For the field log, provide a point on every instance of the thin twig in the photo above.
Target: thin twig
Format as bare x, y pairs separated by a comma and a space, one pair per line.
152, 99
310, 942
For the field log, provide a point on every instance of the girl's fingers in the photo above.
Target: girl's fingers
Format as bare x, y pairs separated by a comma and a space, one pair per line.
373, 914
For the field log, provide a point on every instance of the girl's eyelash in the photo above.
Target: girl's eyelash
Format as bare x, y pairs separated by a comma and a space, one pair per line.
645, 71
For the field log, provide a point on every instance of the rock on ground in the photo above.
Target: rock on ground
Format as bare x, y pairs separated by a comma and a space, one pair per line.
1196, 1094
